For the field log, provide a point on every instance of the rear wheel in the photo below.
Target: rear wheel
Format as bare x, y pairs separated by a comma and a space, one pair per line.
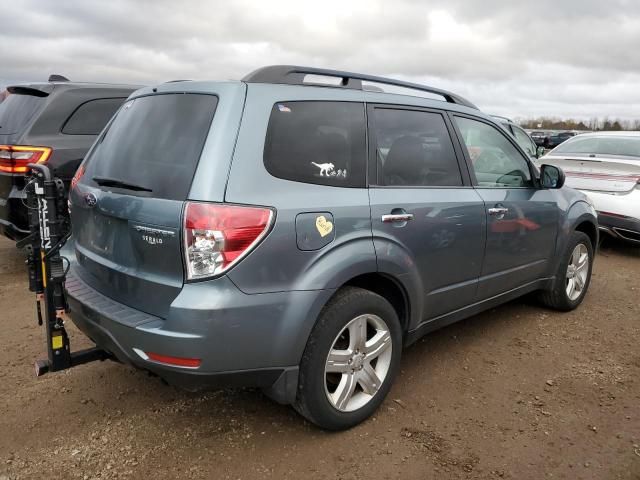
350, 360
573, 275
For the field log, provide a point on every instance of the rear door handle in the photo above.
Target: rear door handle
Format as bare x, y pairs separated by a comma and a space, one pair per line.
498, 211
397, 217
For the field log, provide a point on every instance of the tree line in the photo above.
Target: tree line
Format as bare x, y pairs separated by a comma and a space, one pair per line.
593, 124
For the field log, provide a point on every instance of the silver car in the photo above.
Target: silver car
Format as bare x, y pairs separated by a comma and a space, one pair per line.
605, 166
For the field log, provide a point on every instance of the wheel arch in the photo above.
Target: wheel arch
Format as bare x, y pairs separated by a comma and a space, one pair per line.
579, 217
590, 229
388, 288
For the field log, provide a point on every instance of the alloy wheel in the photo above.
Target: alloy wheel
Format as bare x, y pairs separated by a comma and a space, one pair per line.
358, 362
577, 272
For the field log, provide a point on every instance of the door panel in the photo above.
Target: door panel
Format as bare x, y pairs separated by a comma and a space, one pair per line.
425, 216
444, 240
520, 242
522, 220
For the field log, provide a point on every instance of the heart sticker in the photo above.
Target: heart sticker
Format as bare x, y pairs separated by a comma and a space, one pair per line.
324, 226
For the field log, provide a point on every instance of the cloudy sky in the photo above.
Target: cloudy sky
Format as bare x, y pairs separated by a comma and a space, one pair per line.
569, 58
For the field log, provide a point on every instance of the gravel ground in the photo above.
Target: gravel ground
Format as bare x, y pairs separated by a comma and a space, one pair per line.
517, 392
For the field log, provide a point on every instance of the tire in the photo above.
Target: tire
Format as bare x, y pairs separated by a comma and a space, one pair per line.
558, 297
318, 397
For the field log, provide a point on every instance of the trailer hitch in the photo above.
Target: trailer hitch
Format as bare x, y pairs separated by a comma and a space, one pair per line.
77, 358
49, 230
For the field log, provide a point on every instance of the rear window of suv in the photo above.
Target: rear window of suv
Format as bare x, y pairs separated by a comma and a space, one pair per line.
16, 111
317, 142
154, 142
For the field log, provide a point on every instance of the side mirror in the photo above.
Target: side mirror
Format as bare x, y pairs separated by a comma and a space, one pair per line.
551, 177
539, 151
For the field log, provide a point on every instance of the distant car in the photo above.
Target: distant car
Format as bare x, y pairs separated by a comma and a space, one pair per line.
522, 138
552, 141
605, 166
52, 122
538, 137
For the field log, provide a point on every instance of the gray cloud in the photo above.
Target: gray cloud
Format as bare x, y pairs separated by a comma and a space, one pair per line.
570, 58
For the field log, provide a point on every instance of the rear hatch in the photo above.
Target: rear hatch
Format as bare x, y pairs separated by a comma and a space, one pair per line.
126, 206
611, 174
20, 107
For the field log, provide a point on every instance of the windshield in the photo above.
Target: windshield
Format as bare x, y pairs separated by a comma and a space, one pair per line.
16, 110
153, 145
614, 145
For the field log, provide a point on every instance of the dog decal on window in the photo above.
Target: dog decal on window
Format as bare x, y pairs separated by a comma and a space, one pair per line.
325, 168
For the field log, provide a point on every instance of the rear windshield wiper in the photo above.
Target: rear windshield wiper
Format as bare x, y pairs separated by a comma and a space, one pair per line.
114, 182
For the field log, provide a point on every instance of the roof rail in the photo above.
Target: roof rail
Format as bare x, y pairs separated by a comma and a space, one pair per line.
295, 75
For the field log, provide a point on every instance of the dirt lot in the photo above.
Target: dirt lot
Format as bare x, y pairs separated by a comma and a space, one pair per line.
518, 392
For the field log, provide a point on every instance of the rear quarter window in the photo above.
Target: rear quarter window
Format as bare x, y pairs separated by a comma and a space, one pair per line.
91, 117
317, 142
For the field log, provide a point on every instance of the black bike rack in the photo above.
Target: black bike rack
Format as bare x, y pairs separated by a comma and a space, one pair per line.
49, 230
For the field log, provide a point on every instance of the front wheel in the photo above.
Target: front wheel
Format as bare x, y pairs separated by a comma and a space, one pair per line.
573, 275
350, 360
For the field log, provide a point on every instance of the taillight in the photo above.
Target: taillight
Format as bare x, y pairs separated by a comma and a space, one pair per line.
77, 176
14, 159
217, 236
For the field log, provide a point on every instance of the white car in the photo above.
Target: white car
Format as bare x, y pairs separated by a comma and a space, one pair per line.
605, 166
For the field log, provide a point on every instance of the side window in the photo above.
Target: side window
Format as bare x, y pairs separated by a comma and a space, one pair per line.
524, 141
91, 117
317, 142
413, 148
496, 162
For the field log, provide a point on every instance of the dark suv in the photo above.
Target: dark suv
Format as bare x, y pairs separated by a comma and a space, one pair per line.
54, 123
294, 230
555, 139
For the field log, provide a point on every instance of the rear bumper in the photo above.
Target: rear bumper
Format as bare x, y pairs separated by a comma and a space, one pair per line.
118, 340
625, 228
241, 340
618, 215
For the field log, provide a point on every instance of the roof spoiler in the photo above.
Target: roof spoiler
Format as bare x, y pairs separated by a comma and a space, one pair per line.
57, 78
295, 75
23, 90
